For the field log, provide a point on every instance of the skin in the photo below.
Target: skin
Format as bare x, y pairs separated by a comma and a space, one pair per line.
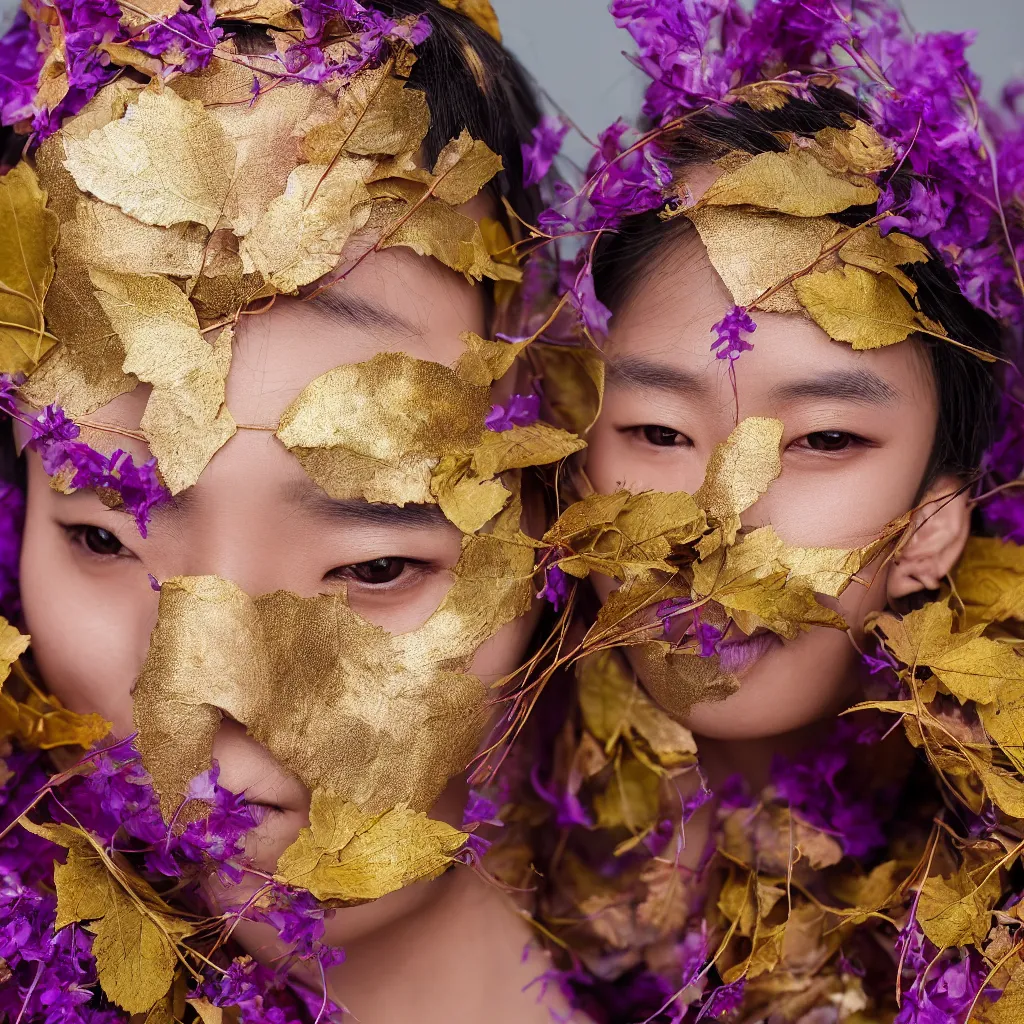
255, 518
859, 429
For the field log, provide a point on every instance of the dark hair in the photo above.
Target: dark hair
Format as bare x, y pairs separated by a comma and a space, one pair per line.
968, 388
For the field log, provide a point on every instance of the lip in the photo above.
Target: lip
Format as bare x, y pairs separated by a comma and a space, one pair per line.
736, 656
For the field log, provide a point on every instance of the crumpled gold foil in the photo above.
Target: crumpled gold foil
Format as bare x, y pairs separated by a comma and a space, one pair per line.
378, 719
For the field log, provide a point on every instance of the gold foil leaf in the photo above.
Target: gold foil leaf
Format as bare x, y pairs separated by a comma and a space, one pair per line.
185, 421
630, 799
167, 161
739, 471
573, 383
278, 13
678, 681
13, 644
376, 114
376, 430
857, 150
29, 233
793, 182
380, 719
957, 911
350, 857
856, 306
303, 233
625, 535
135, 942
989, 580
478, 11
485, 361
462, 168
867, 248
754, 251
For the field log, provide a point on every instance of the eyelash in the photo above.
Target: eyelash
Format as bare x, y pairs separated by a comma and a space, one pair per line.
79, 534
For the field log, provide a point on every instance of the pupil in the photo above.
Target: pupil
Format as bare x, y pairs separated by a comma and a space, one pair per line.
829, 440
661, 436
380, 570
101, 542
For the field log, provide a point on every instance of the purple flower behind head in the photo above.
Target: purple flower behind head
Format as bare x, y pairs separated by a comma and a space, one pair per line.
539, 154
556, 587
730, 330
592, 312
52, 434
20, 62
522, 410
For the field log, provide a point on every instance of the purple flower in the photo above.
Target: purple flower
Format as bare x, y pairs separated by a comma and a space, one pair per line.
20, 62
723, 1000
593, 314
479, 810
556, 587
730, 330
52, 434
12, 520
189, 37
539, 154
522, 410
568, 809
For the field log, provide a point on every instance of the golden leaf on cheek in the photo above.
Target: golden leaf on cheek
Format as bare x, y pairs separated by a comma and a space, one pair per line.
346, 856
379, 719
185, 421
167, 161
29, 233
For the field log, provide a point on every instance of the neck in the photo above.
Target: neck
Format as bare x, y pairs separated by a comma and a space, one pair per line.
464, 957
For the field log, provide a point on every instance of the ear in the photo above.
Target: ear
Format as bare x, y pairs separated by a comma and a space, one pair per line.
940, 527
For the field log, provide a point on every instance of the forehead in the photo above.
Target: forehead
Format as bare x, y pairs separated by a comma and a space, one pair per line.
668, 317
392, 301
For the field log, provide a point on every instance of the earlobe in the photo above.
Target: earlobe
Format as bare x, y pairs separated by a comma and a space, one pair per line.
942, 525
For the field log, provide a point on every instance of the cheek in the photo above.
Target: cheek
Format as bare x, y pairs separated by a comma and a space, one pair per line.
504, 652
88, 639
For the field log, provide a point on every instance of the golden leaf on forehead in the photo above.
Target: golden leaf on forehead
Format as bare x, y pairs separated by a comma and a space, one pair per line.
29, 233
351, 857
989, 580
856, 306
375, 430
185, 421
303, 232
867, 248
167, 161
970, 666
753, 251
136, 937
857, 150
479, 11
462, 168
739, 471
405, 213
485, 361
376, 114
614, 707
573, 383
625, 535
793, 182
378, 718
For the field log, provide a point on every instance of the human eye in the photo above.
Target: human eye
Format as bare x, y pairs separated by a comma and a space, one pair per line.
659, 436
380, 573
95, 541
829, 441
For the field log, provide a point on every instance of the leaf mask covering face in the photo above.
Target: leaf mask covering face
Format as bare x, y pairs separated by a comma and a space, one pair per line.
168, 232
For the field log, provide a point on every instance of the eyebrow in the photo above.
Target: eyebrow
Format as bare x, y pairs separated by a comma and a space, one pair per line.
859, 386
366, 313
633, 372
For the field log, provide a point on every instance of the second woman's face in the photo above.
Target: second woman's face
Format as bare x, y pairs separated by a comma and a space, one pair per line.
858, 433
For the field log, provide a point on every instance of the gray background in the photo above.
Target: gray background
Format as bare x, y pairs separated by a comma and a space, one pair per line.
574, 50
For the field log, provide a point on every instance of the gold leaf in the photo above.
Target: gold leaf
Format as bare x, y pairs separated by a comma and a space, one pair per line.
376, 114
277, 13
478, 11
753, 251
303, 233
856, 306
376, 430
167, 161
868, 249
957, 911
485, 361
29, 233
857, 150
631, 798
378, 718
573, 383
989, 579
185, 421
462, 168
739, 471
793, 182
348, 856
13, 644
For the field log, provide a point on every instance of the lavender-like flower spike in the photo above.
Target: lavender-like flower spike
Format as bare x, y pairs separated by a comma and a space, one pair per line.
521, 411
540, 154
729, 331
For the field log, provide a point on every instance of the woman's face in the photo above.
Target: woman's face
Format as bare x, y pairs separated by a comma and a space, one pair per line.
255, 518
859, 429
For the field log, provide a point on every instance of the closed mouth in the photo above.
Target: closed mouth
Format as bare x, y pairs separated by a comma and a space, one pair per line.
736, 656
